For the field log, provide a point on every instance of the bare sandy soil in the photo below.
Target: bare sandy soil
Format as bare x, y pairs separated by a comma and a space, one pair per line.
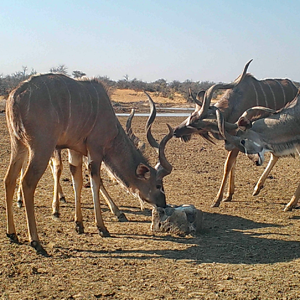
249, 248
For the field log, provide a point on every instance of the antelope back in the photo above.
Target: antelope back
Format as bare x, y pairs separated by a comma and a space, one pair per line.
271, 93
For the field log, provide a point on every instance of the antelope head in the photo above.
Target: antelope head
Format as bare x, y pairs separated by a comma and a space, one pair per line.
197, 123
246, 139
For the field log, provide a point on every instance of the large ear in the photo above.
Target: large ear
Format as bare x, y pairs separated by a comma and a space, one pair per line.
244, 123
142, 171
253, 114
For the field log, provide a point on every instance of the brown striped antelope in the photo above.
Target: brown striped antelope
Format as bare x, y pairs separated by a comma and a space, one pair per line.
56, 167
245, 92
261, 130
54, 111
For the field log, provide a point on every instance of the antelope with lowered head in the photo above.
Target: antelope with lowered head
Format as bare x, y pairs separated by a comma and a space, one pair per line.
245, 92
54, 111
56, 167
261, 130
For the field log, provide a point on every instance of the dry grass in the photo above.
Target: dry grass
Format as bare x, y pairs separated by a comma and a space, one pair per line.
133, 96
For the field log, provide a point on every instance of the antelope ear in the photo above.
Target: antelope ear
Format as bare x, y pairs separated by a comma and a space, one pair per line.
142, 172
244, 123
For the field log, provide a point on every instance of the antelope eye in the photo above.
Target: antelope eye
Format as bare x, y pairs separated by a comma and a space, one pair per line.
243, 142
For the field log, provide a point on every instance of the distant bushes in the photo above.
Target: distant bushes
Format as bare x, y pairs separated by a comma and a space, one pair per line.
160, 86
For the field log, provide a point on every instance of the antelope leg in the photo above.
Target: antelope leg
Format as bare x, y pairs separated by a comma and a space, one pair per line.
96, 183
38, 161
230, 161
265, 174
112, 206
56, 168
17, 158
75, 163
294, 200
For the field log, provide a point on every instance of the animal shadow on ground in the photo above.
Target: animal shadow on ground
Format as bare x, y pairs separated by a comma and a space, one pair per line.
233, 240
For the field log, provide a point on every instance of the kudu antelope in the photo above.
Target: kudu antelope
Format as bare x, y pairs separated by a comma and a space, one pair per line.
245, 92
54, 111
261, 130
56, 167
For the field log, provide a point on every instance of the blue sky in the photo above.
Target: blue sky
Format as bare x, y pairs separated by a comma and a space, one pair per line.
148, 40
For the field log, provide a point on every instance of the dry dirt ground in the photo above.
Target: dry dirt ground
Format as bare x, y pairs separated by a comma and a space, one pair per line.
249, 248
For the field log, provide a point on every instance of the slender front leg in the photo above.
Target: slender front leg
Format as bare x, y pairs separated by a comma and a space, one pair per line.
292, 204
265, 174
56, 168
230, 192
75, 163
96, 183
230, 161
112, 206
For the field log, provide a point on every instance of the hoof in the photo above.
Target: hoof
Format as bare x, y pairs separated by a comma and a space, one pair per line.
56, 216
13, 238
39, 249
122, 218
63, 199
103, 233
79, 227
227, 199
288, 208
257, 191
19, 203
216, 204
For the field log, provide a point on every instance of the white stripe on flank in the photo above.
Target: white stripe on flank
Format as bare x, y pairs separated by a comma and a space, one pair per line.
283, 92
50, 98
266, 100
274, 98
98, 108
70, 102
257, 104
29, 100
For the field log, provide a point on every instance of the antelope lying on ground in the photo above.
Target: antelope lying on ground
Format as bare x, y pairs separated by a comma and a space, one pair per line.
54, 111
245, 92
275, 132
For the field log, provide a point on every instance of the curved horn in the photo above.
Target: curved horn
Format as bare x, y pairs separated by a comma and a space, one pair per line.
242, 76
209, 93
164, 168
128, 122
200, 96
150, 120
198, 102
136, 141
221, 123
